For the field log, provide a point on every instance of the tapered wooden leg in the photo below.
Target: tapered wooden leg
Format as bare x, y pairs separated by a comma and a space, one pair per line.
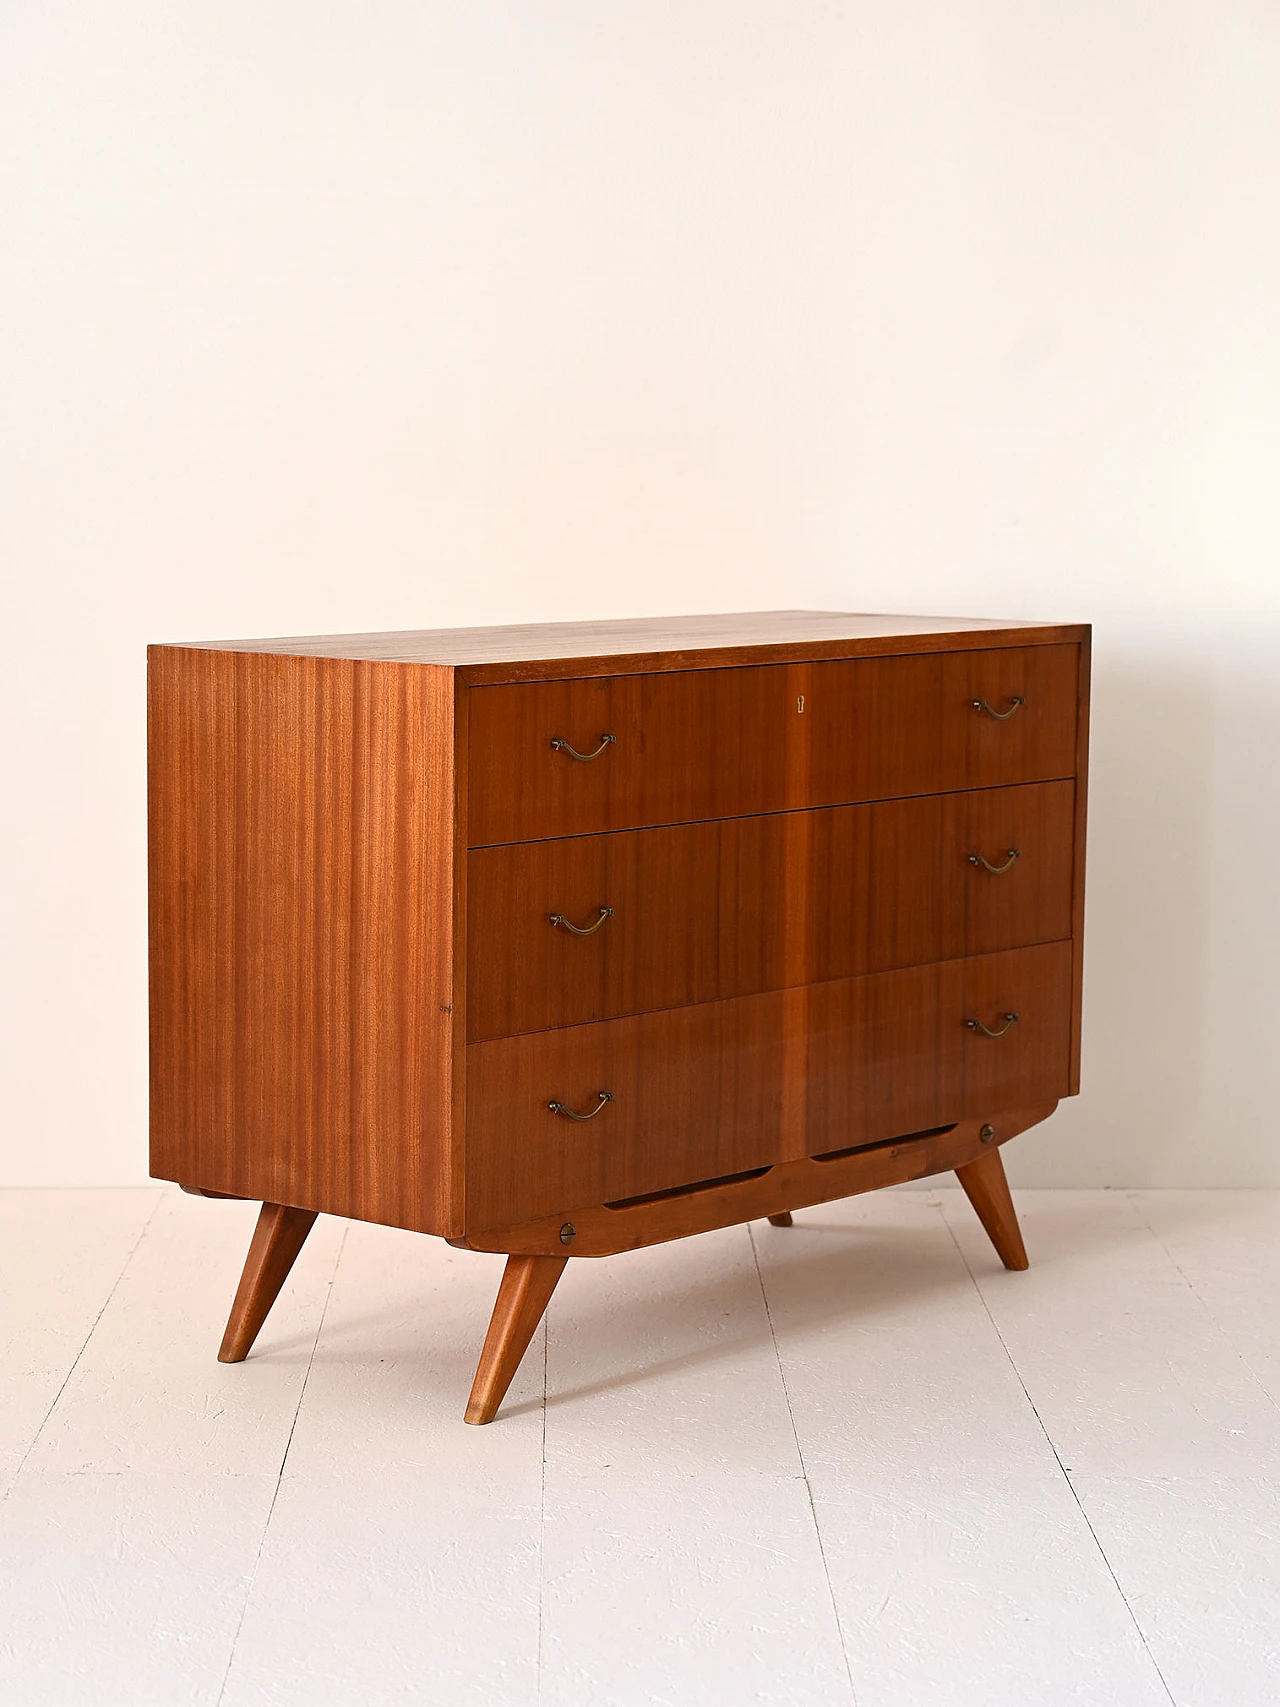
988, 1190
277, 1239
783, 1220
525, 1292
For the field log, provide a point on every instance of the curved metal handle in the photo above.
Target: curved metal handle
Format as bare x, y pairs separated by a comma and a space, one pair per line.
581, 930
977, 1025
1000, 716
583, 758
996, 870
559, 1108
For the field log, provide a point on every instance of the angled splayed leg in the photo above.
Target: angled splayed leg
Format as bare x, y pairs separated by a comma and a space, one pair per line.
525, 1292
988, 1190
277, 1239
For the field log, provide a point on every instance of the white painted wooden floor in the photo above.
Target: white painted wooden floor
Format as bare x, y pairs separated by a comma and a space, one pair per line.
850, 1462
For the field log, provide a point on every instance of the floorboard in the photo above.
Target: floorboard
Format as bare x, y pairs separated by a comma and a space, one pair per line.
61, 1255
1199, 1558
148, 1394
853, 1462
125, 1590
1127, 1368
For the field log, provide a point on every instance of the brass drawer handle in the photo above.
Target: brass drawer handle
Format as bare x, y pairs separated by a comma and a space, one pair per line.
1000, 716
583, 758
559, 1108
996, 870
581, 930
977, 1025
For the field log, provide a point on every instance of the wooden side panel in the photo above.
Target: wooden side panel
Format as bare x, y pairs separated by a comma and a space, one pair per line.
702, 912
1077, 894
301, 902
701, 1092
724, 743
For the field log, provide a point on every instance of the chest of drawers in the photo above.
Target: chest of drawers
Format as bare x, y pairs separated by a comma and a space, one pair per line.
567, 939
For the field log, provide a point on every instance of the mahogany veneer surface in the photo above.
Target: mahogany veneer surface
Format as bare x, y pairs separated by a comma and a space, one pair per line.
626, 646
359, 1003
718, 1087
735, 905
699, 744
607, 1228
301, 821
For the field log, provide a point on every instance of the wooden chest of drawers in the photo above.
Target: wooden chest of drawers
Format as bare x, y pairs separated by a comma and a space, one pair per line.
567, 939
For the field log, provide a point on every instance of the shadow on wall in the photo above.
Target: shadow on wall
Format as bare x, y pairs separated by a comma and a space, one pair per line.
1140, 1117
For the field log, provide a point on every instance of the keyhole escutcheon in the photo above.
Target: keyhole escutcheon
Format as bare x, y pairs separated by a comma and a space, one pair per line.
799, 703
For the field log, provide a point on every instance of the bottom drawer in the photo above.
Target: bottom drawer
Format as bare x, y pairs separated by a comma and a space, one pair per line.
699, 1092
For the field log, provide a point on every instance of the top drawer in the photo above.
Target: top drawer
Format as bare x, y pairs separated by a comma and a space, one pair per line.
723, 743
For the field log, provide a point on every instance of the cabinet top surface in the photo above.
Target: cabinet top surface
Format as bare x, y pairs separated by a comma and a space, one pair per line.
534, 649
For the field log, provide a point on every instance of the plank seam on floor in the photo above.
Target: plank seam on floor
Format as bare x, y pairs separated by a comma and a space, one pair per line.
1133, 1197
75, 1362
1066, 1476
804, 1469
284, 1459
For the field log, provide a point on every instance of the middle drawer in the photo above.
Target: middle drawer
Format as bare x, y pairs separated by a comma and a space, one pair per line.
698, 912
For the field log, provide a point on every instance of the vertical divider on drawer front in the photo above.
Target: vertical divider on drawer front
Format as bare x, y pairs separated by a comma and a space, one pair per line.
797, 923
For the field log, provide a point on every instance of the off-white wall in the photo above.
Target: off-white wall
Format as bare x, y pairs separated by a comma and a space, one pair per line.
328, 317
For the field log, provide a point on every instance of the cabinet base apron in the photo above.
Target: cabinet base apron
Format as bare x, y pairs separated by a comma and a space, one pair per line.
537, 1251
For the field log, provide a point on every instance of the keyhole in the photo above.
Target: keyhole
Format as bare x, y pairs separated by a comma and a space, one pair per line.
799, 703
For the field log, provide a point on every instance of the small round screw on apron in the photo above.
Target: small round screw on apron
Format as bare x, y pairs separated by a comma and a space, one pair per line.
986, 1133
568, 1233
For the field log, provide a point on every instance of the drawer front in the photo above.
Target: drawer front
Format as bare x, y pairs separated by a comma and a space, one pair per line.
701, 912
701, 1092
697, 744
